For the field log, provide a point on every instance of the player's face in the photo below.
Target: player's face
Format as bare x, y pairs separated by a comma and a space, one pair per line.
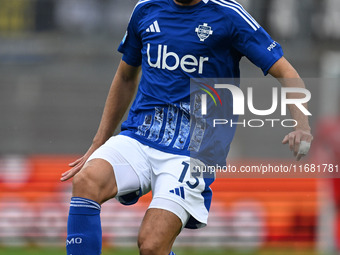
187, 2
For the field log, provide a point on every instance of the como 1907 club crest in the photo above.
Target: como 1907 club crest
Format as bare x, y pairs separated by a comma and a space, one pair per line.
203, 31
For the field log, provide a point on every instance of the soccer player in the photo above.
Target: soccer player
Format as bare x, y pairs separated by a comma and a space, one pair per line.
171, 41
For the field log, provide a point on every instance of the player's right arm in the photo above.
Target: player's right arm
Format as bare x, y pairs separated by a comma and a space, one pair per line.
121, 93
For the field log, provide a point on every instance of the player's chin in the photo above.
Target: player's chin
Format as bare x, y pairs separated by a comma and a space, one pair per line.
185, 1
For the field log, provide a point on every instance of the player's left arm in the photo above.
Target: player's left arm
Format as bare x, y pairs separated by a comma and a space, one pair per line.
288, 77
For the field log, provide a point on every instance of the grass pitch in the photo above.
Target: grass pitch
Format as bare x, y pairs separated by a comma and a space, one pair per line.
61, 251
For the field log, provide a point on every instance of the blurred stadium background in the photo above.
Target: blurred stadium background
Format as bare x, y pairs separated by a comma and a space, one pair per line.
57, 60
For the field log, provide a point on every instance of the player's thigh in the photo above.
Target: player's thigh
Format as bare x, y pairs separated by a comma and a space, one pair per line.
116, 169
95, 181
158, 231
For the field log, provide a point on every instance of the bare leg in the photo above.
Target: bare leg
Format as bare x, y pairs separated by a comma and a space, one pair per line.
158, 232
96, 181
92, 186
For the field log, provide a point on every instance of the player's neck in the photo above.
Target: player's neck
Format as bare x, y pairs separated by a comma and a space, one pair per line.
186, 2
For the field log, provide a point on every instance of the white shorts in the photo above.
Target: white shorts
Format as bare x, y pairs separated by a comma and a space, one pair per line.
139, 168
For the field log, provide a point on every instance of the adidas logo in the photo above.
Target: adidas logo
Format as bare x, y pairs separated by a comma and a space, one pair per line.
178, 191
154, 27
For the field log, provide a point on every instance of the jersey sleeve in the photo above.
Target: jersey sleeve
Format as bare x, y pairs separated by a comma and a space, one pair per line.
254, 42
131, 44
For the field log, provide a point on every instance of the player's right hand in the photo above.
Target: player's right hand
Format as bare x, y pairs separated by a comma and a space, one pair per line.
77, 165
299, 142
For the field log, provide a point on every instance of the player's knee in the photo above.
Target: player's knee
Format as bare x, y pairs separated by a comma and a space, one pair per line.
95, 181
151, 246
79, 180
149, 249
87, 185
83, 185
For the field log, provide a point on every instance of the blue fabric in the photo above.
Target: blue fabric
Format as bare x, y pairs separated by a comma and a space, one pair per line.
174, 43
130, 198
84, 234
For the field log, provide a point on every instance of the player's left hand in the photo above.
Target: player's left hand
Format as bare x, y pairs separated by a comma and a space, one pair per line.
78, 164
299, 142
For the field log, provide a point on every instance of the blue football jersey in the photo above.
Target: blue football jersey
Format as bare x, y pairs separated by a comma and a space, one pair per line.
175, 43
